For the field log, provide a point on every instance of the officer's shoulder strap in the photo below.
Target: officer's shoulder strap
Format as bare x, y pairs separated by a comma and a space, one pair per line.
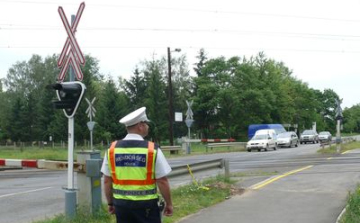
113, 144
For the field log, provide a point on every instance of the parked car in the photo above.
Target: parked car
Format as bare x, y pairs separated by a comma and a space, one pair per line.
309, 136
263, 139
325, 136
287, 139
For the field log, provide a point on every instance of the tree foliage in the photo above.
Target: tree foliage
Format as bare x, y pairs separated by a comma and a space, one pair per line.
228, 94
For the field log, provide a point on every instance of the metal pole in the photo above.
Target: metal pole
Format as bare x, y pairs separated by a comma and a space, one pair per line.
91, 134
91, 141
170, 100
188, 146
189, 132
71, 72
338, 137
70, 193
227, 169
71, 154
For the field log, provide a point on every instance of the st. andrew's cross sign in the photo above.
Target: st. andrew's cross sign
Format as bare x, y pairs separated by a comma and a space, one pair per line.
72, 56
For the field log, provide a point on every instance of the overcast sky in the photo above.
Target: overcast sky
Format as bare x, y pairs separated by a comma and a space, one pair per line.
319, 40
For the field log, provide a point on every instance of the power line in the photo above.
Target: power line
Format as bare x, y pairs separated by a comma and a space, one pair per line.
195, 47
218, 31
187, 9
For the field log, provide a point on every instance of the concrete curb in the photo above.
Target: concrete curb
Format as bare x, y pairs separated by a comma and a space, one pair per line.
341, 214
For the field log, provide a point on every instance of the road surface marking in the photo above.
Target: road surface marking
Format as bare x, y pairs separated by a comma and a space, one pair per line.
345, 152
268, 181
24, 192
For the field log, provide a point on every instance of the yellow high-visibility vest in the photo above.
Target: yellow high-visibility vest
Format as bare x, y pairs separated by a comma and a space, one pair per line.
133, 172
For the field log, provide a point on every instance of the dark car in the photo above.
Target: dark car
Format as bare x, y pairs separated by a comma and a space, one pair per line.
309, 136
325, 136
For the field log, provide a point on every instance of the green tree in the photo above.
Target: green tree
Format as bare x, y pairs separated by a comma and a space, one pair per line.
112, 105
156, 100
26, 81
182, 90
351, 121
135, 89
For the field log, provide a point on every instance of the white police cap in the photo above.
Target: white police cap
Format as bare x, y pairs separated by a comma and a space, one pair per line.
135, 117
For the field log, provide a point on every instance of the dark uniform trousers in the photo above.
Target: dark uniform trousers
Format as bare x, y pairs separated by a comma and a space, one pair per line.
137, 211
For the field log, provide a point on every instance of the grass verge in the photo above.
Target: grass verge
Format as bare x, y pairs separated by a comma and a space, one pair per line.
187, 200
60, 153
352, 213
56, 153
83, 216
190, 199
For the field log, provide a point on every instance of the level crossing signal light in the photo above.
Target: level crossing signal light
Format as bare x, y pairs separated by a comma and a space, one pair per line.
69, 96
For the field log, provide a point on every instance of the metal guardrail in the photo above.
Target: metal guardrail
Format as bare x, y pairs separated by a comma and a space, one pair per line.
176, 170
225, 144
343, 140
347, 139
201, 166
170, 148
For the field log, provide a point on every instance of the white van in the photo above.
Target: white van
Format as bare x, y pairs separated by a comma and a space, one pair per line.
263, 139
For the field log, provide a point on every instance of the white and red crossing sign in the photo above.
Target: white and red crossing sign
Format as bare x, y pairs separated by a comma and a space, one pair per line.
73, 55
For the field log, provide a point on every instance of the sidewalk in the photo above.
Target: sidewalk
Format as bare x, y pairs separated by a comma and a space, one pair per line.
226, 211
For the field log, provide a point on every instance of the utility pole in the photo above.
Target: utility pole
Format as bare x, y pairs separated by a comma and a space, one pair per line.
338, 117
171, 135
171, 109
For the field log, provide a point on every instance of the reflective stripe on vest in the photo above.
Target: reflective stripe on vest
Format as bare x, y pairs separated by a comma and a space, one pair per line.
134, 192
149, 167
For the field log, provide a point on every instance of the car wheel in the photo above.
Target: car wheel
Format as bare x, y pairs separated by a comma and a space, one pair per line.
249, 150
259, 150
296, 144
275, 147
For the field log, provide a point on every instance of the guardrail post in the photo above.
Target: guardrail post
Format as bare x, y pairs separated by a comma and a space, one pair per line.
227, 169
184, 145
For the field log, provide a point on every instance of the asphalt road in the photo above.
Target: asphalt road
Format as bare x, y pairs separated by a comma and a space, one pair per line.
316, 193
31, 194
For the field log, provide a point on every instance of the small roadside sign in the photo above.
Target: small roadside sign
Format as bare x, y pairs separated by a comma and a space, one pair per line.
91, 125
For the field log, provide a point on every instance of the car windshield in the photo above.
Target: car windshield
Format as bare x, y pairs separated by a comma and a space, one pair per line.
260, 137
308, 132
284, 135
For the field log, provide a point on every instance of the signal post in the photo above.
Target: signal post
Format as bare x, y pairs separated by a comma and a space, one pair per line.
69, 96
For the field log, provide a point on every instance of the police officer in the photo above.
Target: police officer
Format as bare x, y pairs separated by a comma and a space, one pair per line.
133, 169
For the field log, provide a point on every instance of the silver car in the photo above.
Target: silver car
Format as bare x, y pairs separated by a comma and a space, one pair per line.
325, 136
287, 139
309, 136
